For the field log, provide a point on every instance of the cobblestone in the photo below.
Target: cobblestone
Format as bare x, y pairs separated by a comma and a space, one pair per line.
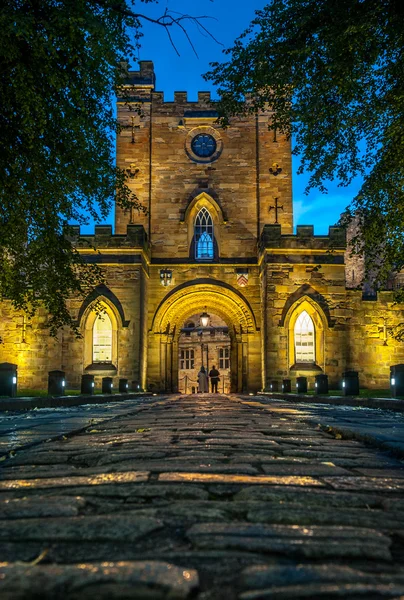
209, 497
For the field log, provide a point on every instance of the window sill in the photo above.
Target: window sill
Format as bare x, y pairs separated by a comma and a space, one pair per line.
306, 367
101, 367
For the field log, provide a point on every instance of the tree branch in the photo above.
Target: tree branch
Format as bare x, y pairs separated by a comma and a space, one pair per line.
167, 20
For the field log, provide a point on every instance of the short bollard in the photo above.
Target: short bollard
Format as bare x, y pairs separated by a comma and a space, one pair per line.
287, 386
106, 385
123, 386
301, 385
8, 379
273, 386
135, 386
321, 384
56, 383
87, 385
397, 380
350, 383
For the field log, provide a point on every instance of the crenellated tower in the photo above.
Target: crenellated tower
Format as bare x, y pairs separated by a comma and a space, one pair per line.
179, 159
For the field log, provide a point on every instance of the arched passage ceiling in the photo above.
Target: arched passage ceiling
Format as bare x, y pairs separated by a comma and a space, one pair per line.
185, 302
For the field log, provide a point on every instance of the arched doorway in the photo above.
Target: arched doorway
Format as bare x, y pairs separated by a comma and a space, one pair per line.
185, 303
204, 345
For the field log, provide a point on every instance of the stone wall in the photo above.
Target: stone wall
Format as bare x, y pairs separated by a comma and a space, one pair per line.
169, 176
372, 349
26, 343
355, 333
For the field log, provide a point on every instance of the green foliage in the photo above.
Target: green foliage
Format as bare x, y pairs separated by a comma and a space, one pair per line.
333, 73
59, 68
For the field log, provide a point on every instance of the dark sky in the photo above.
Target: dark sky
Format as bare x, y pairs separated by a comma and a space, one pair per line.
184, 73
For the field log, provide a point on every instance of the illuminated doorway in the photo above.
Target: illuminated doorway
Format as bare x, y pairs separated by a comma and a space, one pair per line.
206, 346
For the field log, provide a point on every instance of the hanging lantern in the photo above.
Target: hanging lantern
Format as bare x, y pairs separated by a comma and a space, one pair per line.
204, 319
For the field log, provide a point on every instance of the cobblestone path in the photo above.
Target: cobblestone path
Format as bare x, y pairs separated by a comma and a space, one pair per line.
202, 497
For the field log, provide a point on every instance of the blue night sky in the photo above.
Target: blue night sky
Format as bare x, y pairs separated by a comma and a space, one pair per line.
184, 73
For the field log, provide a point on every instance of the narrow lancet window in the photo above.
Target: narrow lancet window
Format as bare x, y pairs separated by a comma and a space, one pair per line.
204, 249
304, 339
102, 339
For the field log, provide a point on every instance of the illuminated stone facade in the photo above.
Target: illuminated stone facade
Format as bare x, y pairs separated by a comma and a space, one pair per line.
242, 265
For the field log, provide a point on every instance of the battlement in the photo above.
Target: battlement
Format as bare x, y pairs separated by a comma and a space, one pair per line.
144, 77
272, 238
138, 87
102, 238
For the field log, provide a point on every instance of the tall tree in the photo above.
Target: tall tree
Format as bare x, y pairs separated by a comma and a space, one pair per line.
333, 73
59, 69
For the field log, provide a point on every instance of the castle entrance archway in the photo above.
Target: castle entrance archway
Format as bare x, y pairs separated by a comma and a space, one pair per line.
204, 343
232, 315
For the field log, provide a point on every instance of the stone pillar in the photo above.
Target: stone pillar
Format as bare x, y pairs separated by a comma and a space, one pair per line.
239, 364
233, 365
163, 362
174, 362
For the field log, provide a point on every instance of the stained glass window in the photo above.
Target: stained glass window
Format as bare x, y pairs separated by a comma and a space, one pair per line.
203, 145
304, 339
102, 339
204, 235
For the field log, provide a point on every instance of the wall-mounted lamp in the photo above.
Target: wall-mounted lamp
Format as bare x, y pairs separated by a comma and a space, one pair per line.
166, 277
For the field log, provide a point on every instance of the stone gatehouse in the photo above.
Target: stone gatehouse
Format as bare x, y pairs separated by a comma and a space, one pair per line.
217, 238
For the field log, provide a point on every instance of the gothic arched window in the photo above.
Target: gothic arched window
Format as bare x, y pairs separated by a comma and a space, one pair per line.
304, 339
204, 246
102, 339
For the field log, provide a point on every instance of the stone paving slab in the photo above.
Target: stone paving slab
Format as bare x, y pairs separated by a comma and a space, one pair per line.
294, 540
108, 580
377, 422
251, 498
394, 404
57, 482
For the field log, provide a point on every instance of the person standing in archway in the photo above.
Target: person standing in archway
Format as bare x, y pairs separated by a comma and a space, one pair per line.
203, 381
214, 379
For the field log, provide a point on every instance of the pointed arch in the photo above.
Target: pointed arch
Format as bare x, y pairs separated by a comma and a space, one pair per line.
204, 204
100, 318
208, 200
306, 323
102, 292
307, 292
